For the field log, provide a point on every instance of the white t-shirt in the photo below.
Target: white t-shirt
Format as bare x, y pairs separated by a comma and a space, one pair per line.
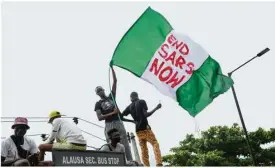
64, 130
9, 150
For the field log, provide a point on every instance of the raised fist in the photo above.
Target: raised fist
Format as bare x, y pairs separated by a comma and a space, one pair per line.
159, 106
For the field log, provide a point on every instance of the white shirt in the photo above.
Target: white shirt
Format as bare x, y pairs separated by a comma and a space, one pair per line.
9, 150
64, 130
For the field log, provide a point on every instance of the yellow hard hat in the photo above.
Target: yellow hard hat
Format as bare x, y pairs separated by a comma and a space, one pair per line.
54, 114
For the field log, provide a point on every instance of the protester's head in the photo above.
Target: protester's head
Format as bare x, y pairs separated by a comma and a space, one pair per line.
134, 96
20, 126
114, 135
100, 91
53, 115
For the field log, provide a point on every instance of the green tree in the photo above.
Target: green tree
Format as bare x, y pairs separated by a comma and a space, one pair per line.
223, 146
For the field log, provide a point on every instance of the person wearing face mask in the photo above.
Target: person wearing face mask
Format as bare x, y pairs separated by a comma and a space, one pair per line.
116, 146
67, 135
19, 150
106, 110
139, 112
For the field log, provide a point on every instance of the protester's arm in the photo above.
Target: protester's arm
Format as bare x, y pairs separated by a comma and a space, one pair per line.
154, 110
144, 106
101, 117
125, 119
114, 82
126, 112
55, 128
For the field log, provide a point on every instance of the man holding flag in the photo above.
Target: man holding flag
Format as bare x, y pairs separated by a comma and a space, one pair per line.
106, 110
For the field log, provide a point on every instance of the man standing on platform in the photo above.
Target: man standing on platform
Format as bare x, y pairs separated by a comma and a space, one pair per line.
138, 110
106, 110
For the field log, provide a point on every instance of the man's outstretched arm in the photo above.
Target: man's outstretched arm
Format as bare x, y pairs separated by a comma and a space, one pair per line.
114, 82
126, 112
148, 114
125, 119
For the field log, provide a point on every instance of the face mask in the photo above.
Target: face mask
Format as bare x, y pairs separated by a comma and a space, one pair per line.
115, 137
116, 140
20, 131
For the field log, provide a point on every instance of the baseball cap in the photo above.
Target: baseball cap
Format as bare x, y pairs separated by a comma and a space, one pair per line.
54, 114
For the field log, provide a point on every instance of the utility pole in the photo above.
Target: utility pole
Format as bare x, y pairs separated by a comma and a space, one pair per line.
238, 105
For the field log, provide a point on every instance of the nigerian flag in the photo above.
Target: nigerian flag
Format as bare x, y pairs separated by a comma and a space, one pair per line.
176, 65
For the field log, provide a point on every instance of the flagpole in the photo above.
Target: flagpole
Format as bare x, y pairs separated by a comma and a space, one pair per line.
238, 106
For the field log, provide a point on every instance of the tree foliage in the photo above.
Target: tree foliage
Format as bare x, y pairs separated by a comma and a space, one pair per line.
223, 146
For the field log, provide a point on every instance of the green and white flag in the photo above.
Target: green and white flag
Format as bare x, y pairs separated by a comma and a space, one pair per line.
176, 65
